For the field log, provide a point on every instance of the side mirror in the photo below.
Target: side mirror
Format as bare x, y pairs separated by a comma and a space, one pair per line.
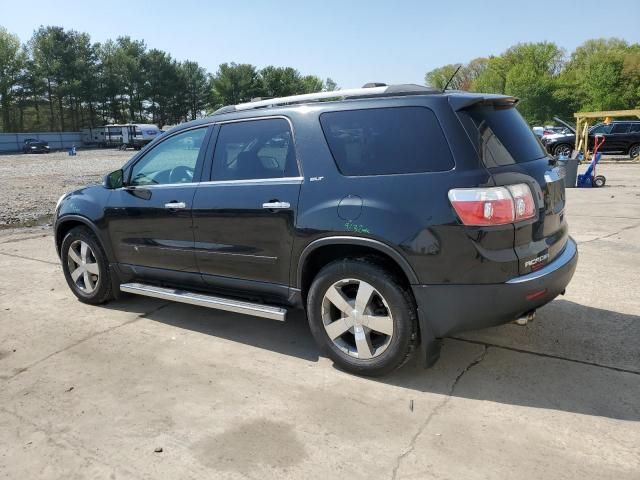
113, 180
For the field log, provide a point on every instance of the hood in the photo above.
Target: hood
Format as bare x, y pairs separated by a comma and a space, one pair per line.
555, 136
569, 126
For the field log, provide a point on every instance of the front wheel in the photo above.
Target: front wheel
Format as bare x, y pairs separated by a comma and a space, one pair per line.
362, 316
85, 266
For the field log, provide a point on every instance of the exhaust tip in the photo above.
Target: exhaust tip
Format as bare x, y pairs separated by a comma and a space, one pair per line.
526, 318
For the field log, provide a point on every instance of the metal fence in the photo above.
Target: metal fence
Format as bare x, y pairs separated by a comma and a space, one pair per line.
13, 142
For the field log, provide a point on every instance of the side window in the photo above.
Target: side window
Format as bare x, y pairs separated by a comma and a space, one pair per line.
172, 161
385, 141
602, 129
635, 128
254, 149
620, 128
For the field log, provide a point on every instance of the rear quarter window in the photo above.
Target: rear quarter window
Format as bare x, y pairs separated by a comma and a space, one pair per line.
386, 141
501, 135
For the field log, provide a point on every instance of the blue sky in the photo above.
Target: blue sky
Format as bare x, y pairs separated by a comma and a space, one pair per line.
353, 42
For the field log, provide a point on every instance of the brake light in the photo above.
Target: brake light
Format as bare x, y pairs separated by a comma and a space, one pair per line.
493, 205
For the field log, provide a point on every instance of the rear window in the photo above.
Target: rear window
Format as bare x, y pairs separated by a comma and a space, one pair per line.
385, 141
501, 135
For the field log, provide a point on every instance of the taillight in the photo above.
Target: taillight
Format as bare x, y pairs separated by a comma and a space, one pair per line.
493, 205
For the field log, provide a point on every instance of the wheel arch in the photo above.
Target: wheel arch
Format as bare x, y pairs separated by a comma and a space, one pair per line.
324, 250
68, 222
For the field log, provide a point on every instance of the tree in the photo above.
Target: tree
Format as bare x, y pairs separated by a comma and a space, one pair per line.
235, 83
12, 62
196, 84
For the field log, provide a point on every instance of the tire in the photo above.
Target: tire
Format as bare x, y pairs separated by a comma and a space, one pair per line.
634, 151
599, 181
93, 285
563, 149
353, 345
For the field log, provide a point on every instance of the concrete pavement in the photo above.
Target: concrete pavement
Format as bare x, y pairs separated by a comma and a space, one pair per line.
90, 392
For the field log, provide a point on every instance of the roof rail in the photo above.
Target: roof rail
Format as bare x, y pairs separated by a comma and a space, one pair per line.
311, 97
367, 91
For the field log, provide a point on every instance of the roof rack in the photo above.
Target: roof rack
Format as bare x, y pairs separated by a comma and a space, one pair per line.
367, 91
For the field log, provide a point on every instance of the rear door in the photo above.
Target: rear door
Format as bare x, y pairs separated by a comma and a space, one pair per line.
244, 216
512, 154
618, 139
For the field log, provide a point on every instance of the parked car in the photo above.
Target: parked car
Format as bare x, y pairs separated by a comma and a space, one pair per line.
395, 215
621, 136
33, 145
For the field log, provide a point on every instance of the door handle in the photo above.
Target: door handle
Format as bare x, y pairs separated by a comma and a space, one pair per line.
275, 205
173, 205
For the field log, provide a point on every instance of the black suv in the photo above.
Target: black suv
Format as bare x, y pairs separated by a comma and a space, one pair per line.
395, 215
33, 145
620, 137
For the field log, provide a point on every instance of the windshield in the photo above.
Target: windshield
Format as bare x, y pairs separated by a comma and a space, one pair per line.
501, 136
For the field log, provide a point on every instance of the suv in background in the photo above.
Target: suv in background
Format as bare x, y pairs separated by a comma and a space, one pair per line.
621, 136
394, 215
33, 145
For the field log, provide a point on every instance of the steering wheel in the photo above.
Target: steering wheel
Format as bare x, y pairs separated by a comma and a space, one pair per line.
181, 174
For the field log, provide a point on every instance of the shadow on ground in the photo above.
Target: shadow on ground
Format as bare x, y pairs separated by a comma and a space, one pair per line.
543, 378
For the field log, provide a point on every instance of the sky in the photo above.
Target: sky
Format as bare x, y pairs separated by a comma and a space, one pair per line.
353, 42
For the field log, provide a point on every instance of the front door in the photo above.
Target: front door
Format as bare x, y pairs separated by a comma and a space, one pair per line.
149, 219
244, 217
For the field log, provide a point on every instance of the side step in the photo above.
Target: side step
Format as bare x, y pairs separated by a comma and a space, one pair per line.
201, 300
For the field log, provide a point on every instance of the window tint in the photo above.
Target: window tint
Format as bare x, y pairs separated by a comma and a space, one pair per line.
255, 149
620, 128
385, 141
601, 129
171, 161
635, 128
501, 135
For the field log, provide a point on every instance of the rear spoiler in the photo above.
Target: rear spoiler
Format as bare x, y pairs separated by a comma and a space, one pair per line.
462, 102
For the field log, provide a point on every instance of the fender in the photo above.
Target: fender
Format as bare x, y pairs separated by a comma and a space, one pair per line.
87, 222
363, 241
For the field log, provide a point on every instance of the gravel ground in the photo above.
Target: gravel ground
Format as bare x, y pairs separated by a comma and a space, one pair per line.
31, 184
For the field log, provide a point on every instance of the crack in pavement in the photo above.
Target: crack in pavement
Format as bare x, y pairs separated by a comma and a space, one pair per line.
435, 411
29, 237
84, 339
547, 355
14, 255
610, 234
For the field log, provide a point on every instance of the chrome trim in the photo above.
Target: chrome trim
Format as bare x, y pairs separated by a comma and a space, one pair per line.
175, 205
560, 261
159, 185
201, 300
276, 205
254, 181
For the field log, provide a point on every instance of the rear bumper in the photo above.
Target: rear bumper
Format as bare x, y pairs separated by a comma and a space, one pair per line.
447, 309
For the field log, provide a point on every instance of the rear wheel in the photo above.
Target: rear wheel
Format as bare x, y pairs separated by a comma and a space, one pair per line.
634, 151
85, 266
563, 150
362, 316
599, 181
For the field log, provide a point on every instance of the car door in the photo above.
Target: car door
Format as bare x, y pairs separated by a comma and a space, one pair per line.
149, 219
618, 139
244, 217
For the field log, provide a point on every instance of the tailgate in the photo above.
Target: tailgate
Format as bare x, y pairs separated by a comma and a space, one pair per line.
513, 154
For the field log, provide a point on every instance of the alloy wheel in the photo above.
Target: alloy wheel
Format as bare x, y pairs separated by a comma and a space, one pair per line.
635, 151
83, 267
563, 150
357, 318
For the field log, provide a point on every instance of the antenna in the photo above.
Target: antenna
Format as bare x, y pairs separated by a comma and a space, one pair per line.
452, 77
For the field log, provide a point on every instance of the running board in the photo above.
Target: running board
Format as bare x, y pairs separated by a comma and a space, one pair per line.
201, 300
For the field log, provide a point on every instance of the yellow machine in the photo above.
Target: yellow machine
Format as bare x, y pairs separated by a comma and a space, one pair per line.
582, 126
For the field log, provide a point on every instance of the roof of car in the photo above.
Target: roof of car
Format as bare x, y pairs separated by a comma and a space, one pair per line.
458, 99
